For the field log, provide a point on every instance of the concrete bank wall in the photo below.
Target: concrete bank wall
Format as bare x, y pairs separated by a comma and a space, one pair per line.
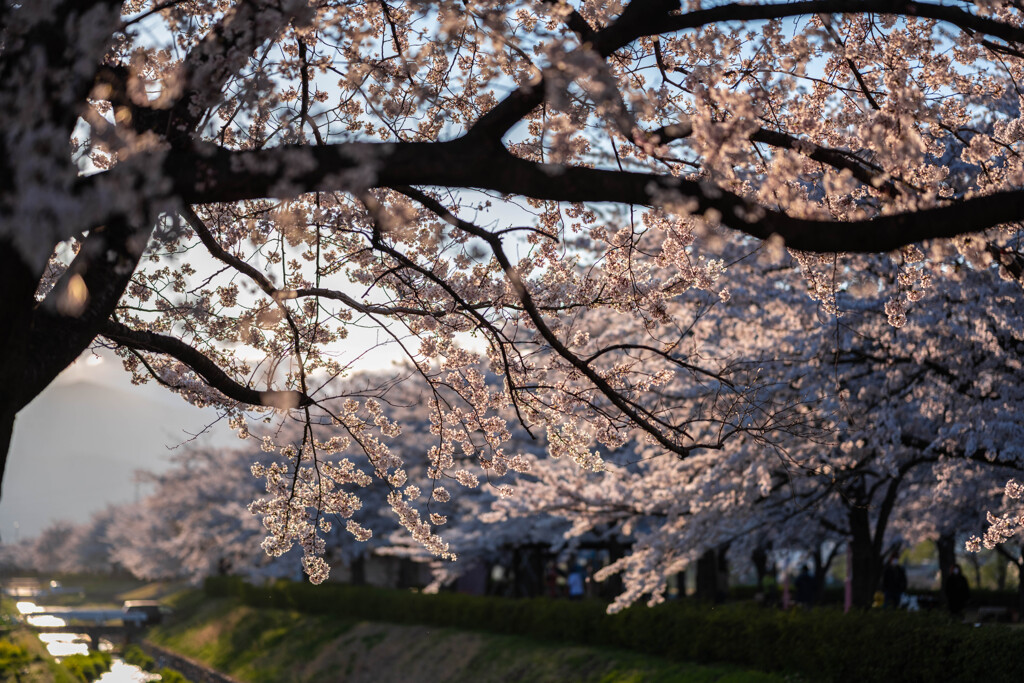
190, 669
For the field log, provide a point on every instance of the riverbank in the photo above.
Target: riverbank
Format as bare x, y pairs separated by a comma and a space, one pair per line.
26, 656
23, 658
172, 666
263, 645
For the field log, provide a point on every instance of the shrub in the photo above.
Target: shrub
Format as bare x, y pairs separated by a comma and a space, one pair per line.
87, 668
172, 676
133, 654
13, 659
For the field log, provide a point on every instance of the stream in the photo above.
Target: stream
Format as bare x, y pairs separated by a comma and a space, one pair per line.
64, 644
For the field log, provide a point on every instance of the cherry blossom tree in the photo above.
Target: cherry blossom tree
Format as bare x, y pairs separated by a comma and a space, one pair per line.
87, 549
922, 437
225, 191
193, 522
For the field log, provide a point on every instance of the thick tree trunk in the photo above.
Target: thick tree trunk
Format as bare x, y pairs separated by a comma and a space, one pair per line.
867, 562
821, 565
358, 571
972, 558
16, 304
39, 339
707, 576
681, 584
759, 558
612, 586
946, 545
722, 576
712, 575
7, 416
1020, 586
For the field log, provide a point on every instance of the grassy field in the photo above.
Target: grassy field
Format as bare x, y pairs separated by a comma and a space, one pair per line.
268, 645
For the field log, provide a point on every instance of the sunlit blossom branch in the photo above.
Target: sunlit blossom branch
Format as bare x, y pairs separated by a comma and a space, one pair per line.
221, 53
658, 352
494, 336
155, 9
261, 280
853, 67
979, 455
625, 29
862, 170
575, 21
629, 408
643, 18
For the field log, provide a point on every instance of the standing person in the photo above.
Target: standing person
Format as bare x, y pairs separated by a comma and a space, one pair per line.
957, 591
805, 587
894, 582
577, 583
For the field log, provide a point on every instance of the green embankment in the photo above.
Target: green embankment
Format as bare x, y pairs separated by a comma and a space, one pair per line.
263, 645
23, 658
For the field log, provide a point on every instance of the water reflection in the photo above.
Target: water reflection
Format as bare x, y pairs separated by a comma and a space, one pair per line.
65, 644
27, 607
121, 672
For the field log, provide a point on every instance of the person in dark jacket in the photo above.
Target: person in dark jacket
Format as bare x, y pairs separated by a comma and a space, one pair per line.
805, 587
957, 591
894, 582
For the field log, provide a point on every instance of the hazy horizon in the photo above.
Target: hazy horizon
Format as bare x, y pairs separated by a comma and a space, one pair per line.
77, 446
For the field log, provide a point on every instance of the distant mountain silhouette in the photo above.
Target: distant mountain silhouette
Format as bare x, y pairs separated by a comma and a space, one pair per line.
77, 446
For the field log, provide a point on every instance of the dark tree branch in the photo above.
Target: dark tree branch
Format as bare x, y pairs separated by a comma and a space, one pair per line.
82, 299
642, 18
746, 13
220, 175
202, 365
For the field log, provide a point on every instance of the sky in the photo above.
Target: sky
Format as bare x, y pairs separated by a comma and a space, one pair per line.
78, 445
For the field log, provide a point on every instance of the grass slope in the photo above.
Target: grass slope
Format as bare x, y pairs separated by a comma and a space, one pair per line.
271, 646
23, 657
40, 667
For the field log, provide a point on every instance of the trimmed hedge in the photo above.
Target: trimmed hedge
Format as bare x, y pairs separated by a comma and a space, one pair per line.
823, 645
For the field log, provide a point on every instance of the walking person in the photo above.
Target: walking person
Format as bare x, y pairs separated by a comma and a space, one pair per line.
957, 591
894, 582
805, 588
